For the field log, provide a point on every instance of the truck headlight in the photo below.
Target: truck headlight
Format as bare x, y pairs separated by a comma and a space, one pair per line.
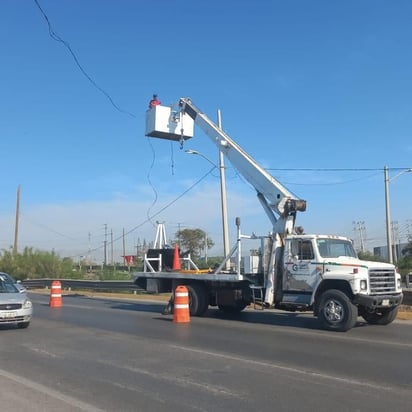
363, 284
27, 304
398, 283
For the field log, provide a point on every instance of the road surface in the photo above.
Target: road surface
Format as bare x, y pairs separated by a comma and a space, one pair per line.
118, 355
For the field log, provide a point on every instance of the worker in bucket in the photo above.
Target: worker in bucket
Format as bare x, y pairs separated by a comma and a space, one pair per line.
154, 102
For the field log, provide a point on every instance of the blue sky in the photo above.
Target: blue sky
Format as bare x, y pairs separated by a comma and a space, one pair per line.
313, 85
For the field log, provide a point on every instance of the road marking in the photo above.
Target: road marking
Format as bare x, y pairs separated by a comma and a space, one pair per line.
183, 382
50, 392
302, 372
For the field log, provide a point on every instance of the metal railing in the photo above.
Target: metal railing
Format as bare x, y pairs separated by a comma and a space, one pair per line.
96, 285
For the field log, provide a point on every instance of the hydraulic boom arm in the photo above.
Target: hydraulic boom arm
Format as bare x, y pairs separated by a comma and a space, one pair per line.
271, 193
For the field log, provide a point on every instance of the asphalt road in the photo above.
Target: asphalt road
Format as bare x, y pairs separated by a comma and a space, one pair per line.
117, 355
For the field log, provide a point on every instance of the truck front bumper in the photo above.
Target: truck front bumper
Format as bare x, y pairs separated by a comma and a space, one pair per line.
378, 301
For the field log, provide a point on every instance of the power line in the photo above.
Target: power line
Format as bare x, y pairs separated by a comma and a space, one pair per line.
149, 218
345, 169
57, 38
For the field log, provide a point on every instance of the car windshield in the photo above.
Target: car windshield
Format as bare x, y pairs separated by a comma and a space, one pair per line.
333, 248
7, 286
6, 277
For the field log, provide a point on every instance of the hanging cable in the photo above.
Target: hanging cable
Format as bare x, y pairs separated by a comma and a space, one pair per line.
150, 217
57, 38
172, 160
150, 182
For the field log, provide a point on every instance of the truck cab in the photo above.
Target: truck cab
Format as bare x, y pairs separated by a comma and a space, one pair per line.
323, 273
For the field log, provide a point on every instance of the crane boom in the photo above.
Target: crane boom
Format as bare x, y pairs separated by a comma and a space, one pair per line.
176, 123
271, 193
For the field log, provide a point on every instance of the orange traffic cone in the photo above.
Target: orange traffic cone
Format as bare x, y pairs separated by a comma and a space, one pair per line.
55, 294
181, 313
176, 259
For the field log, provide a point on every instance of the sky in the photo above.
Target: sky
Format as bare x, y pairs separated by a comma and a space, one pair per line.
317, 92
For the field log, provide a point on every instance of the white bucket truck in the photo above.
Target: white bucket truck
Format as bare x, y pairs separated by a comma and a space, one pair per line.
296, 271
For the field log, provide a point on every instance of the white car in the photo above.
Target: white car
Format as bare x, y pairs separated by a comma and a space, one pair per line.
15, 307
17, 283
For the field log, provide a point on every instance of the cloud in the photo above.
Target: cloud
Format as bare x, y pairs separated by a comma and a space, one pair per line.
74, 229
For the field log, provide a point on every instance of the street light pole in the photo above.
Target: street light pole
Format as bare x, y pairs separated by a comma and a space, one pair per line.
388, 215
388, 210
223, 198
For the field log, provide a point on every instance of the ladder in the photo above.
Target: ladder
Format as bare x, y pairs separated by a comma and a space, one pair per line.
257, 297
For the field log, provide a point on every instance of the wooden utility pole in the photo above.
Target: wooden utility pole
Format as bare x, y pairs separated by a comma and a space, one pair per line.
16, 227
124, 250
105, 245
111, 247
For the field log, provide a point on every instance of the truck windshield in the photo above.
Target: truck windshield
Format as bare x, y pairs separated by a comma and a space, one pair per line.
333, 248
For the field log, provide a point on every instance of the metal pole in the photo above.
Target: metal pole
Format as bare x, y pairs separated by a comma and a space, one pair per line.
388, 216
16, 227
206, 248
105, 245
223, 198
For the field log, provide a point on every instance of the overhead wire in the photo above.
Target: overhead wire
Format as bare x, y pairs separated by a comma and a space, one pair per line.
150, 181
57, 38
150, 217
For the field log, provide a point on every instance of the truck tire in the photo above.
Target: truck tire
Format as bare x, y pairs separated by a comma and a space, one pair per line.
238, 307
336, 311
383, 318
198, 299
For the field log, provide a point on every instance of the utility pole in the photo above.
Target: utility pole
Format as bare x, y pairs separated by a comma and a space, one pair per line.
387, 180
105, 245
111, 247
124, 250
360, 227
206, 247
16, 227
388, 215
89, 257
395, 239
223, 198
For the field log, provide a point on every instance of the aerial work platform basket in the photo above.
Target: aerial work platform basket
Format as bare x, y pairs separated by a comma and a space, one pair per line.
166, 123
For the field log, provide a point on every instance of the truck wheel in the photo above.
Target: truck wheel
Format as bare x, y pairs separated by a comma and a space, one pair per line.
336, 311
198, 300
238, 307
383, 318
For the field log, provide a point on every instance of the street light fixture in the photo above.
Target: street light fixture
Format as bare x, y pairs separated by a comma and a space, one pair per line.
195, 152
388, 210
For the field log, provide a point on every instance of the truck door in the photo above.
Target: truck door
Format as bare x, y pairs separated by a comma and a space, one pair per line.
300, 267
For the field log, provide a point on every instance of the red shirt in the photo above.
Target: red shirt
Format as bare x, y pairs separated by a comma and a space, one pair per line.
154, 102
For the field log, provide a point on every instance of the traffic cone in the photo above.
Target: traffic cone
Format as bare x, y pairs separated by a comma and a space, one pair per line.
181, 313
176, 259
56, 294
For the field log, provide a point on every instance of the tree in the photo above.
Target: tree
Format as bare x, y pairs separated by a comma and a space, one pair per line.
407, 250
369, 256
194, 240
32, 264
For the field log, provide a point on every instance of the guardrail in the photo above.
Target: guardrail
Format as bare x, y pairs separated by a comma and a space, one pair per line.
96, 285
409, 280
